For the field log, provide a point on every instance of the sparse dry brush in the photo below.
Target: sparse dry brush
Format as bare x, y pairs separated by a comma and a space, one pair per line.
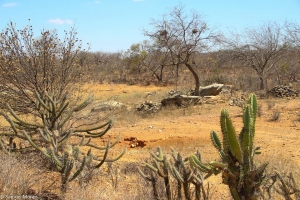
50, 147
39, 75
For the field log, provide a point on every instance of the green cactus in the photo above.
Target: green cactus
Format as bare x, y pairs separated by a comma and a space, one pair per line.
51, 136
160, 167
186, 175
237, 155
151, 179
180, 169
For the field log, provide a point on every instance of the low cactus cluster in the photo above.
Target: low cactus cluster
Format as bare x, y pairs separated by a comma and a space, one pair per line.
180, 170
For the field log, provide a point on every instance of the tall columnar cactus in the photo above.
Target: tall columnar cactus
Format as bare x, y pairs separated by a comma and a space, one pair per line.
51, 136
237, 154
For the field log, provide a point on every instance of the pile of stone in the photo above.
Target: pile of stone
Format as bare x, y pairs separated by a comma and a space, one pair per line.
149, 106
283, 91
238, 101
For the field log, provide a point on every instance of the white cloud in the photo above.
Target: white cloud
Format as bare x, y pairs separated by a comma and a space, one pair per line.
60, 21
9, 4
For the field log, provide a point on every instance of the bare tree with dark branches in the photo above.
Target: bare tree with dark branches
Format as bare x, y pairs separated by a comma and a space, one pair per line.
181, 36
261, 48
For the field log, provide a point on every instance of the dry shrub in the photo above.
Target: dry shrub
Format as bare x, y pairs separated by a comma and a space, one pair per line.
284, 166
259, 110
16, 178
270, 104
275, 116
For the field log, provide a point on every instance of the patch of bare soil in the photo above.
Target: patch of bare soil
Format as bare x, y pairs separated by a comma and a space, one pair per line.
189, 130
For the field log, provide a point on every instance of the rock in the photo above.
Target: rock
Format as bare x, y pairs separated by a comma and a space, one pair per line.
238, 101
108, 105
181, 100
211, 90
149, 106
282, 91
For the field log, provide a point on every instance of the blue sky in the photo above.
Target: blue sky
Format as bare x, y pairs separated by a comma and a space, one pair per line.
114, 25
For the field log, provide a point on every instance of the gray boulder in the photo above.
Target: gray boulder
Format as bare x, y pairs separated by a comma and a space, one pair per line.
211, 90
108, 105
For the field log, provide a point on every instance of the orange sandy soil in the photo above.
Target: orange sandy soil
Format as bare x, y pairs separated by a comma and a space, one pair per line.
189, 129
279, 140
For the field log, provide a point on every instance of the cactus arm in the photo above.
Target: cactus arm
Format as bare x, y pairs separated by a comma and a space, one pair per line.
144, 175
102, 148
62, 110
118, 157
104, 156
54, 158
63, 121
197, 163
219, 165
234, 193
31, 142
45, 137
253, 104
151, 167
116, 141
109, 124
84, 104
259, 171
247, 139
160, 171
41, 102
160, 155
218, 145
23, 123
12, 124
215, 140
79, 170
65, 138
230, 134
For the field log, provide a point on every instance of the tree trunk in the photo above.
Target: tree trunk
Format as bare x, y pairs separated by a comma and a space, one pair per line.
261, 83
196, 77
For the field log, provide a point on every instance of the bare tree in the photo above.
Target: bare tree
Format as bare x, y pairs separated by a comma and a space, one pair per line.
293, 30
30, 64
261, 48
181, 36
